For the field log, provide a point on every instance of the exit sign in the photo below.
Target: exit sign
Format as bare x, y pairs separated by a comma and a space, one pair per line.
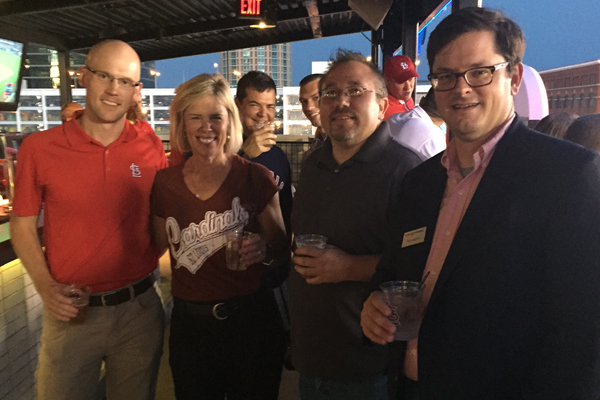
250, 8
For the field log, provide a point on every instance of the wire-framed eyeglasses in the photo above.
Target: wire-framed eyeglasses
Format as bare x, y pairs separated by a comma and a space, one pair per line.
475, 77
350, 91
106, 78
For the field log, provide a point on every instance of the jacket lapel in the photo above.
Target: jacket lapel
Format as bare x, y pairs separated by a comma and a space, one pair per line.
426, 192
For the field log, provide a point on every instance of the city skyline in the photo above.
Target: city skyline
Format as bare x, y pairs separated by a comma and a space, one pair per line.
557, 34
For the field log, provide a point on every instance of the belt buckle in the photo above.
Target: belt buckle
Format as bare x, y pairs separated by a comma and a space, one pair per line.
131, 292
215, 311
103, 299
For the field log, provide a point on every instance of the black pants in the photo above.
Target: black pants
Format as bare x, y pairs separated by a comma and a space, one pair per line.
241, 356
399, 386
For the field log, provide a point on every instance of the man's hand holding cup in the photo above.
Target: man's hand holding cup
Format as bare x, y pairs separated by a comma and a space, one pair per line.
262, 139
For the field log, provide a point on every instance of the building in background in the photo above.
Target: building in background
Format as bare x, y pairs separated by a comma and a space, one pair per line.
39, 109
275, 60
573, 88
41, 68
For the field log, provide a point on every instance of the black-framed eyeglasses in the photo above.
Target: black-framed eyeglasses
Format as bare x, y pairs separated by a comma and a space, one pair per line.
350, 91
475, 77
106, 78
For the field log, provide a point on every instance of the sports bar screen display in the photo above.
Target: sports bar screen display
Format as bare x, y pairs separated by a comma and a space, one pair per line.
11, 60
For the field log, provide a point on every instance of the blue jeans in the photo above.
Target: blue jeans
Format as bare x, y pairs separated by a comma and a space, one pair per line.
373, 388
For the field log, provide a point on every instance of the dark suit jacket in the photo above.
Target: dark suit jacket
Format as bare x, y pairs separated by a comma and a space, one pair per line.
515, 313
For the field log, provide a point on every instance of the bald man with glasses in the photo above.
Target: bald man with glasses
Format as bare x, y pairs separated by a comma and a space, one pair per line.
93, 177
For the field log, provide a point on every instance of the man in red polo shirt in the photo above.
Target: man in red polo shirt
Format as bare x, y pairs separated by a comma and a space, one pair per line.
400, 78
93, 176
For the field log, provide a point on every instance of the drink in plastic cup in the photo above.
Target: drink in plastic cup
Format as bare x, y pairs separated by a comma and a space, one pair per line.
80, 298
234, 240
404, 298
311, 240
260, 125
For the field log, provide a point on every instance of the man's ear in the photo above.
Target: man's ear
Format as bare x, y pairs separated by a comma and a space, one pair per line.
81, 76
138, 93
238, 103
516, 78
383, 106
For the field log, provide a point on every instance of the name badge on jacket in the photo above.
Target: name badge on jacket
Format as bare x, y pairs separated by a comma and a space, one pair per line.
414, 237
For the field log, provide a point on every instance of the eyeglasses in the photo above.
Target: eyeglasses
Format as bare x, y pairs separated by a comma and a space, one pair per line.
106, 78
350, 91
475, 77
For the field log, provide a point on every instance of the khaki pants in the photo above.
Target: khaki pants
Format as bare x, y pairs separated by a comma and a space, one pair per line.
128, 337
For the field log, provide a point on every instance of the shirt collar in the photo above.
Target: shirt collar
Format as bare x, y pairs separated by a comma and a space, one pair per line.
76, 136
320, 135
481, 156
394, 100
371, 151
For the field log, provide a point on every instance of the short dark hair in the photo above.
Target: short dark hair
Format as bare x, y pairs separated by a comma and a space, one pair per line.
428, 104
343, 56
255, 80
509, 39
309, 78
585, 131
556, 124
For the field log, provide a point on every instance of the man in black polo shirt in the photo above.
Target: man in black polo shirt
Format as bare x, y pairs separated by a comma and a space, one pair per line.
343, 194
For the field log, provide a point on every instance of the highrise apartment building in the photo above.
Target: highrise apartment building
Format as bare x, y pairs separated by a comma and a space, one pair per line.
275, 60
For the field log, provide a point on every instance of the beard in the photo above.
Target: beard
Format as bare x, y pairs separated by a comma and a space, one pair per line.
339, 130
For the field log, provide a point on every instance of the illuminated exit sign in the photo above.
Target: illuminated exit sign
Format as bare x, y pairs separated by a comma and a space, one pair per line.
250, 8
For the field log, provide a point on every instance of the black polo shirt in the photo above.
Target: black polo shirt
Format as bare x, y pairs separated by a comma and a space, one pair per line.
347, 203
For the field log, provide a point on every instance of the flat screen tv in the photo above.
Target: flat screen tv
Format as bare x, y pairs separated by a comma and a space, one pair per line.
11, 69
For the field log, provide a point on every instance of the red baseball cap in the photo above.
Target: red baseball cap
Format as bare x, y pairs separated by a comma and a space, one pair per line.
400, 69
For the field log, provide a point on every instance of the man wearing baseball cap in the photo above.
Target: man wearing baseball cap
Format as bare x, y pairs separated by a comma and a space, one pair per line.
400, 74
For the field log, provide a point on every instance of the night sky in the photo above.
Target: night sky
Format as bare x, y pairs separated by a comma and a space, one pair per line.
558, 33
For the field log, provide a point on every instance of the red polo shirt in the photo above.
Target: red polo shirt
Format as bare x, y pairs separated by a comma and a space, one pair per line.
96, 202
396, 106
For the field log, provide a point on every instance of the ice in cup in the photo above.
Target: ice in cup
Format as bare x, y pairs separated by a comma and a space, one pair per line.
404, 299
234, 240
80, 298
260, 125
311, 240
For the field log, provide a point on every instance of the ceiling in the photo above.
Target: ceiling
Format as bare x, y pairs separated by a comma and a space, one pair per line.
161, 29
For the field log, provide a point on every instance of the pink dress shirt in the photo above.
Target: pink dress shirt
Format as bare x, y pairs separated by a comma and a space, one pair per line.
457, 197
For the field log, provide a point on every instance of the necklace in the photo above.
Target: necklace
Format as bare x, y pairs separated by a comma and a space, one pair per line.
205, 184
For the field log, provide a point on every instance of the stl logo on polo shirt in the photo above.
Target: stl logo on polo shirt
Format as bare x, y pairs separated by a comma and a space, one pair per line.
135, 171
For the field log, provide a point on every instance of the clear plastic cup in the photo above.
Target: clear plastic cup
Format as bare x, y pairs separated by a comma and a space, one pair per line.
311, 240
80, 298
234, 241
404, 299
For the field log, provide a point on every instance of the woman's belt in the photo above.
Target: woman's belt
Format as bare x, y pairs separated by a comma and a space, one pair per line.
218, 309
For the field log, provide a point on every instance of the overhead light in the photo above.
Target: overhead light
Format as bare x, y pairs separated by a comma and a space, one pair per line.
263, 25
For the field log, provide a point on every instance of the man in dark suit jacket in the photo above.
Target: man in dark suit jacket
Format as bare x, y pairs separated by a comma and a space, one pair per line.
507, 224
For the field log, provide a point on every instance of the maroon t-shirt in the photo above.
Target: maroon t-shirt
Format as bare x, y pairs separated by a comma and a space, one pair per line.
196, 229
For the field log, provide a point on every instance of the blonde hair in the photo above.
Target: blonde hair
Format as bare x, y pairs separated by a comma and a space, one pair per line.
193, 90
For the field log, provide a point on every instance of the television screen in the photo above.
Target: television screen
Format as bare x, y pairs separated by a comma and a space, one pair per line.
11, 61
